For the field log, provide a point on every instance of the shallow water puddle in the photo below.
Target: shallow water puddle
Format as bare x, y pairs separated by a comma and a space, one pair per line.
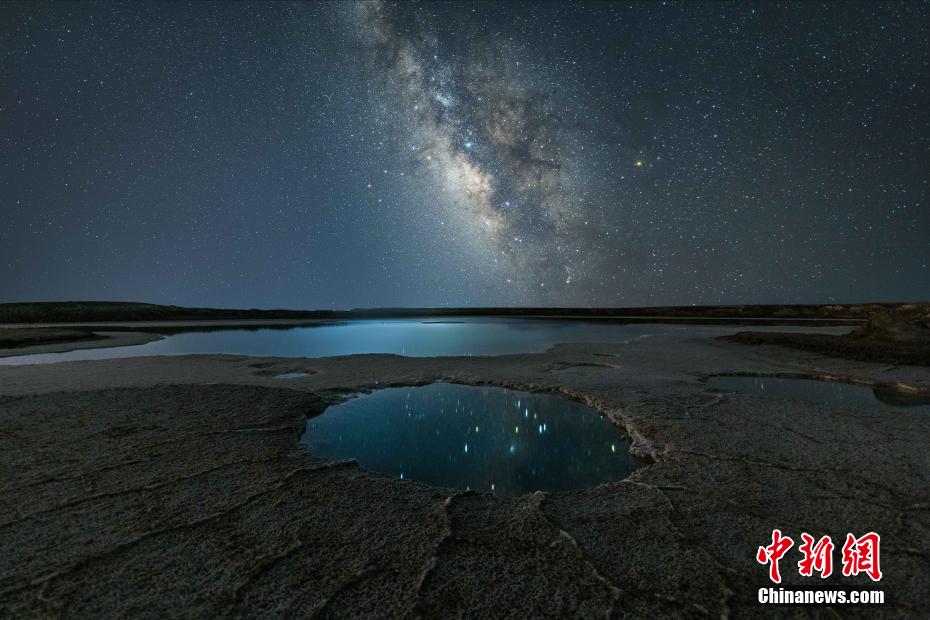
483, 438
292, 375
825, 392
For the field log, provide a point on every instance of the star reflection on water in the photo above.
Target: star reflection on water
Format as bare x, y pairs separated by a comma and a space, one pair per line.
482, 438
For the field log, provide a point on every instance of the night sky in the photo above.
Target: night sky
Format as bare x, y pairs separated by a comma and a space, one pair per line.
465, 154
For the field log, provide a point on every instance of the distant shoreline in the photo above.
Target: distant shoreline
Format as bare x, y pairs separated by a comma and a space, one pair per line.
44, 313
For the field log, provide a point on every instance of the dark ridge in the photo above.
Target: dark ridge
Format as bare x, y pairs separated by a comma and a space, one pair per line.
12, 338
898, 354
886, 337
86, 311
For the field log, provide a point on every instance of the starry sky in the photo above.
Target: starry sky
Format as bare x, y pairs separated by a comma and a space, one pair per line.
339, 155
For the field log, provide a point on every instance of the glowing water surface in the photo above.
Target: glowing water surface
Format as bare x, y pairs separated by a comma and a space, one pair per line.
483, 438
409, 337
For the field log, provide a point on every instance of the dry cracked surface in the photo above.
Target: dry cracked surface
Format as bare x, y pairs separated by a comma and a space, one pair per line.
155, 487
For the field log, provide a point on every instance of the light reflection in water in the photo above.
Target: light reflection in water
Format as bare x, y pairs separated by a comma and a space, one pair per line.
470, 437
401, 336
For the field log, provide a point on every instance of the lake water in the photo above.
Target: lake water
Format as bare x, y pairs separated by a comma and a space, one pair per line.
415, 338
483, 438
841, 395
410, 337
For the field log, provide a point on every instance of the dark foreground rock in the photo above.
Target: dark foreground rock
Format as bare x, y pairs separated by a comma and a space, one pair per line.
899, 336
158, 487
887, 337
850, 347
894, 328
17, 337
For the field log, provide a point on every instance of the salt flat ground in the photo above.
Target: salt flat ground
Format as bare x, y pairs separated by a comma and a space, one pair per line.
161, 486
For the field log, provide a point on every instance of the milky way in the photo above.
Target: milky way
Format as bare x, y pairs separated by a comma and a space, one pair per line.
490, 138
350, 154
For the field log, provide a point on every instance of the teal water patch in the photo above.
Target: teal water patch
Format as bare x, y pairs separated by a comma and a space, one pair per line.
482, 438
835, 394
412, 338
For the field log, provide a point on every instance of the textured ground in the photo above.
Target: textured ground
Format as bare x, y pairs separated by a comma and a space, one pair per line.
175, 486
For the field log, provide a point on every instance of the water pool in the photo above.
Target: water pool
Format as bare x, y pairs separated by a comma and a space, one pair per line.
840, 395
483, 438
